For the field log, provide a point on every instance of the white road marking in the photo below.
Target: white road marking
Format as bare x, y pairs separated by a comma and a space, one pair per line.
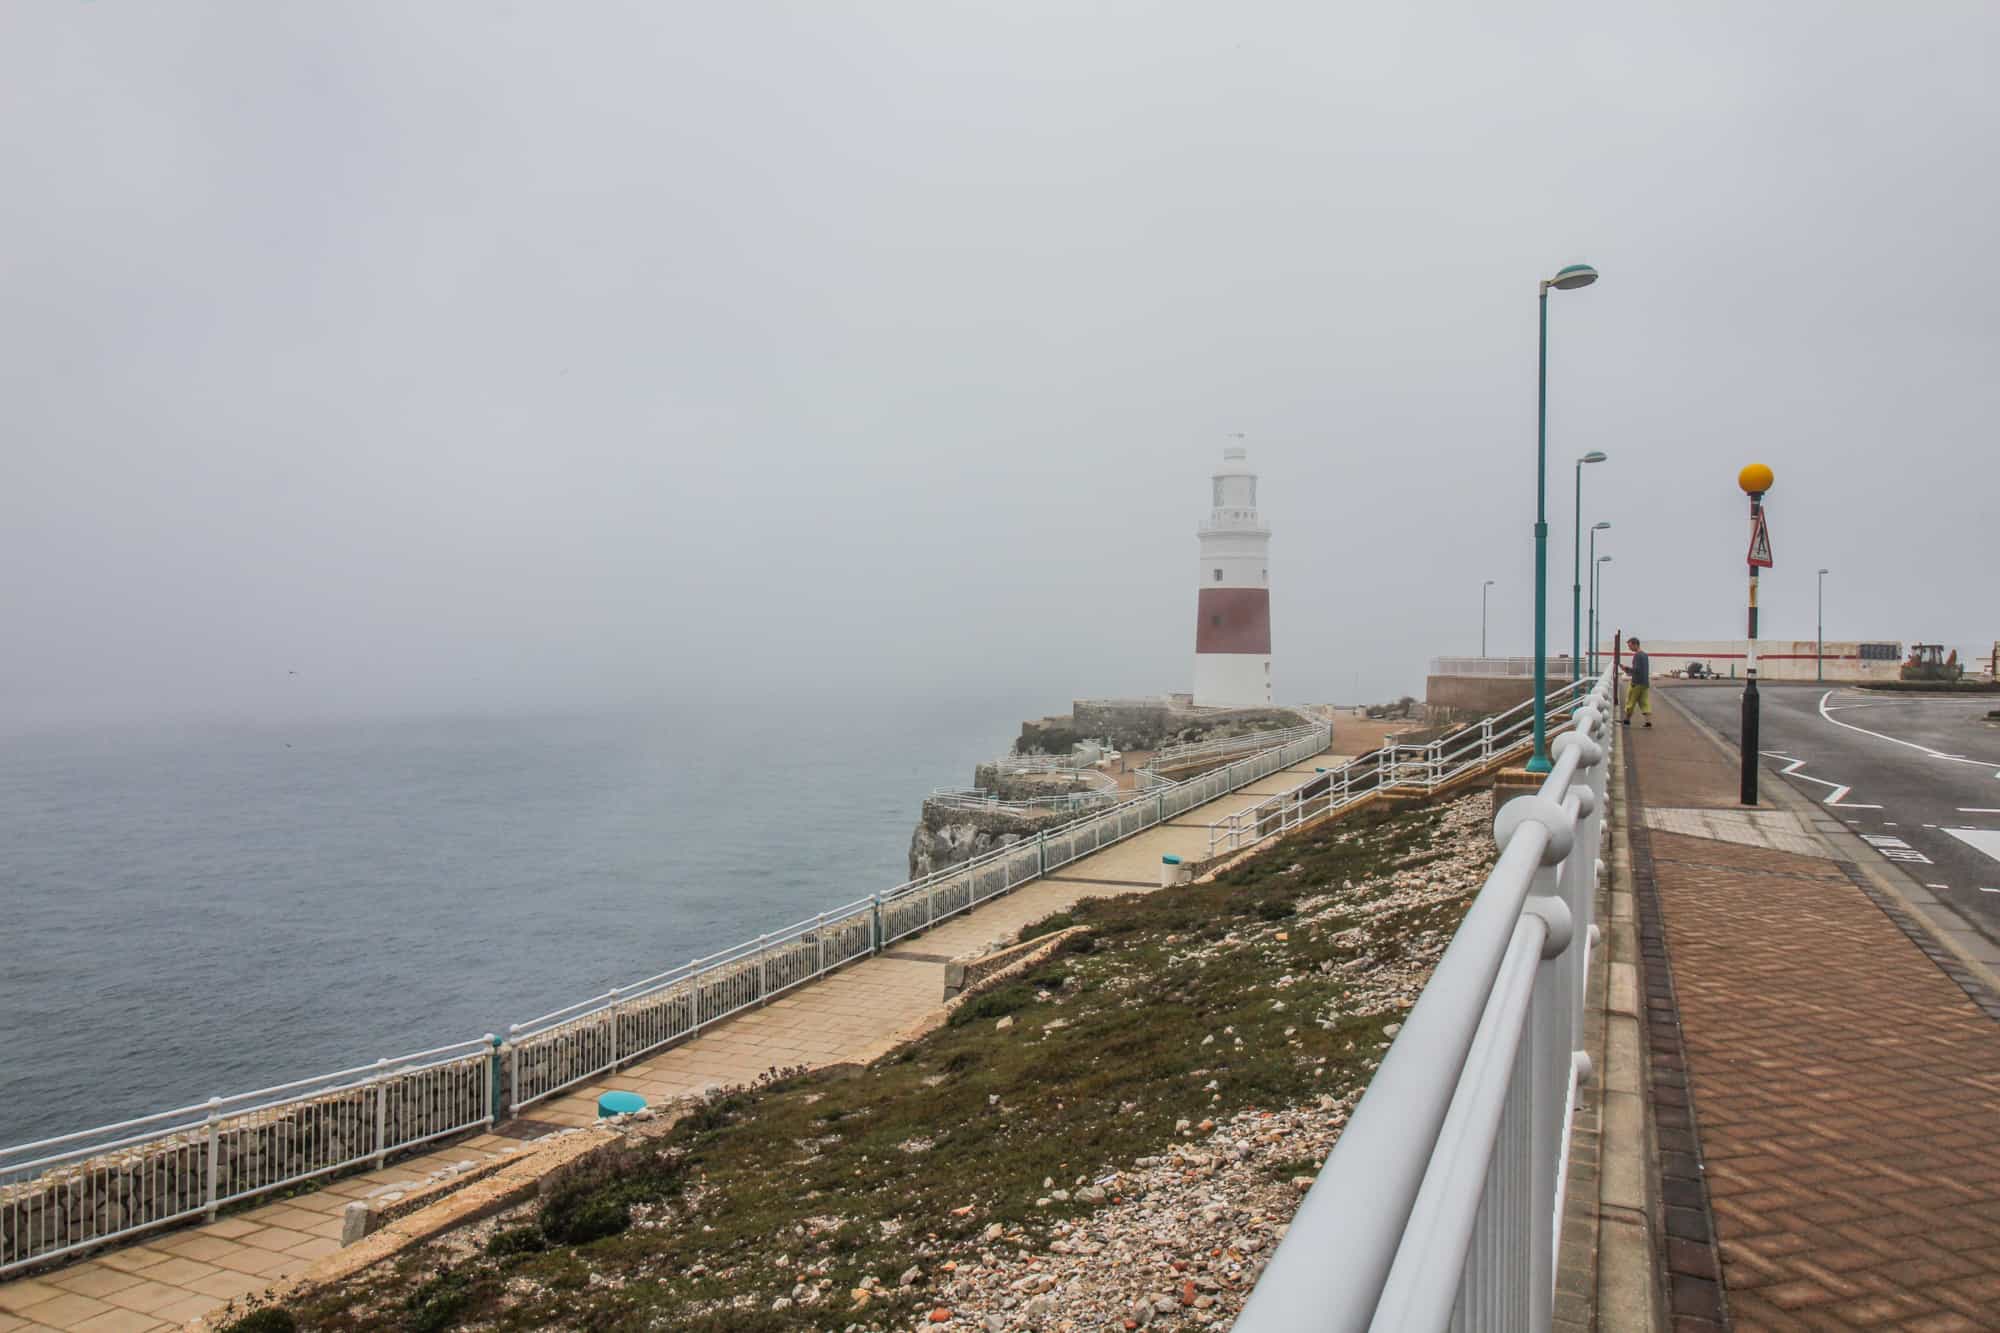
1937, 886
1833, 797
1978, 810
1896, 849
1826, 714
1979, 839
1984, 889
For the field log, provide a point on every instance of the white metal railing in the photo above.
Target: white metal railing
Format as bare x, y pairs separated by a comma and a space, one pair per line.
1441, 1203
79, 1190
1103, 787
1419, 767
73, 1191
1194, 752
569, 1046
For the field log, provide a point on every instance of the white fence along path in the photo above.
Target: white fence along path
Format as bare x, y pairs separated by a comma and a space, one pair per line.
1441, 1203
76, 1191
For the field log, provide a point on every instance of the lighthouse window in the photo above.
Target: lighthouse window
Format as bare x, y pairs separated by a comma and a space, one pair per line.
1265, 575
1215, 620
1218, 576
1218, 492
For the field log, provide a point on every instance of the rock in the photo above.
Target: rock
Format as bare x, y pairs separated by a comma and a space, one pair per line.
940, 1316
1392, 1029
910, 1277
1302, 1183
1004, 1023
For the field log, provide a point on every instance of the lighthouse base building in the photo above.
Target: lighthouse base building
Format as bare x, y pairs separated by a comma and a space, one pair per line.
1232, 635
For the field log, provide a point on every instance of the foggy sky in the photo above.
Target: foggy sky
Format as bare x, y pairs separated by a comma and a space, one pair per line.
495, 356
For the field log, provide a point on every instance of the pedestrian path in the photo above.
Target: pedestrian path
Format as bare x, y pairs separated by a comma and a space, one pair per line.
1840, 1098
855, 1015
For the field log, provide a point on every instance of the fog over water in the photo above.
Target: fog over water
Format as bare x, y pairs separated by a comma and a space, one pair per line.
503, 358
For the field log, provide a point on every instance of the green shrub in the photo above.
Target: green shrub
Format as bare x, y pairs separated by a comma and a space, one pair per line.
270, 1319
993, 1004
1048, 925
516, 1240
437, 1304
579, 1213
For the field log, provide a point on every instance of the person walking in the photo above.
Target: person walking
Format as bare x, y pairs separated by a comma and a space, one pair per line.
1639, 694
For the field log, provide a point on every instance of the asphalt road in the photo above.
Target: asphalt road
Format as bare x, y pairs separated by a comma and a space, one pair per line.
1918, 778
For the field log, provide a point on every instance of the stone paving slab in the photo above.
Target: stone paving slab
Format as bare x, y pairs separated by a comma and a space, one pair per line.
1842, 1091
1775, 830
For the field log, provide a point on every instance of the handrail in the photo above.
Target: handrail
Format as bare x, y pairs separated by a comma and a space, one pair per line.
1439, 1204
358, 1115
1420, 767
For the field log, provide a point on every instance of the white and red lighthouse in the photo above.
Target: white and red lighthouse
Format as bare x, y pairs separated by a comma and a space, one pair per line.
1232, 633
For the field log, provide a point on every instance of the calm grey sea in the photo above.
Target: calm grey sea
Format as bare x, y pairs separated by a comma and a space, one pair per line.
205, 910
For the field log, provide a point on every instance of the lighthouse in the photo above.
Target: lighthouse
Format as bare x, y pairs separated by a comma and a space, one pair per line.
1232, 633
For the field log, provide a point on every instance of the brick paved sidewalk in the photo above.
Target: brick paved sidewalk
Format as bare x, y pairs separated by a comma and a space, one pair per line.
1844, 1092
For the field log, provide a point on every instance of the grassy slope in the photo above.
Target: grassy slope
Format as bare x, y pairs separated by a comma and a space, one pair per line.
832, 1178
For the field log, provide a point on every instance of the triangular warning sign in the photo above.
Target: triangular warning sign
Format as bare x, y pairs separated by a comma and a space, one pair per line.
1760, 542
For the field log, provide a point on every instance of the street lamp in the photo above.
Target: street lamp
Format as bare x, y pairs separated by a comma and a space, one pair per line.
1482, 616
1576, 572
1595, 528
1566, 279
1597, 593
1819, 652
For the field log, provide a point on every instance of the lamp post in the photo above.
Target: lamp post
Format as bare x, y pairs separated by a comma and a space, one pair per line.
1566, 279
1819, 649
1595, 528
1597, 596
1576, 572
1482, 616
1754, 480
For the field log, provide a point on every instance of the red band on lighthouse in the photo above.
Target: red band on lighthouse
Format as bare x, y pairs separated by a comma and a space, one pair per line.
1233, 620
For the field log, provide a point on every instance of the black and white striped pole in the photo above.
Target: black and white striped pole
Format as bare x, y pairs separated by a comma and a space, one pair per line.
1755, 481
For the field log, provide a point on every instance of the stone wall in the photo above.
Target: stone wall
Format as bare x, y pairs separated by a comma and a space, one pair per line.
1146, 724
946, 836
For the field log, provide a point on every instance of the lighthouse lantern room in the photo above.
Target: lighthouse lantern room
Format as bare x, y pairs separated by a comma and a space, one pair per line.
1232, 635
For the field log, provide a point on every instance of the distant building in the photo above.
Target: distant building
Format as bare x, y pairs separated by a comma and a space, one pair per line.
1843, 660
1232, 633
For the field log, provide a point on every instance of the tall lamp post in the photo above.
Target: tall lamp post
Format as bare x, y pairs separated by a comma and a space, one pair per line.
1755, 480
1576, 572
1566, 279
1595, 528
1597, 602
1819, 650
1482, 616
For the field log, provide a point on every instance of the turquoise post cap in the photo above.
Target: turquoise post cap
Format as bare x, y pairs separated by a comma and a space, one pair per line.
1319, 770
619, 1103
1170, 860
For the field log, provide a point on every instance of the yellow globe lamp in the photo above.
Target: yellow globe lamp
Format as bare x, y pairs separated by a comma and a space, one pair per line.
1755, 479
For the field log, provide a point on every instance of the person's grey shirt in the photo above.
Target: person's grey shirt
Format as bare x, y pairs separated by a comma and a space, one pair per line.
1642, 669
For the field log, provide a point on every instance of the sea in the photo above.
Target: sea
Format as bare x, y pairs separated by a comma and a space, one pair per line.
201, 910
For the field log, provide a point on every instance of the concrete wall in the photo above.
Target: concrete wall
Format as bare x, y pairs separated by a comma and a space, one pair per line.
1482, 694
1777, 659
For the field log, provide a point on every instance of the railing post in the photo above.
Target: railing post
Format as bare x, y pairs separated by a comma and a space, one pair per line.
819, 935
494, 1096
1042, 854
514, 1063
617, 1042
763, 971
1486, 738
214, 1154
381, 1081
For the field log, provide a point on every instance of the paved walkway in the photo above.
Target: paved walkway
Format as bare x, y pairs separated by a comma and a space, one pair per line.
855, 1015
1840, 1089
